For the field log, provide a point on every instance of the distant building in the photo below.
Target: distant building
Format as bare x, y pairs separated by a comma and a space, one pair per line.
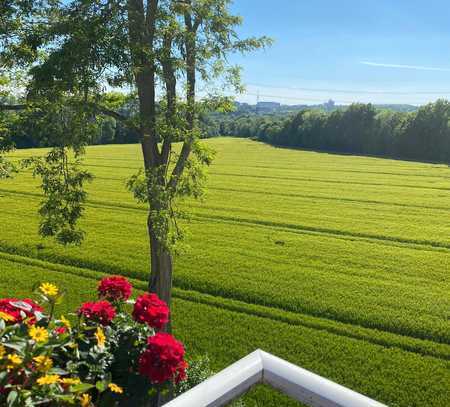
267, 106
330, 105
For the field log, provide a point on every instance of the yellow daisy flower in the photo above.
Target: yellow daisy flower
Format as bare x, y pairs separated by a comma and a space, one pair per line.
48, 379
49, 290
13, 361
115, 388
85, 400
43, 363
101, 338
65, 322
6, 317
38, 334
70, 381
2, 352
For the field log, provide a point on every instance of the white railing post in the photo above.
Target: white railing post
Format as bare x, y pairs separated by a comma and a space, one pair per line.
261, 367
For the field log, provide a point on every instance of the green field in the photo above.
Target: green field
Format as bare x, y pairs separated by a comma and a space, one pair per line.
337, 263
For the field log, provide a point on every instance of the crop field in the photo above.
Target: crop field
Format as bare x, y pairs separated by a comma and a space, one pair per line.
340, 264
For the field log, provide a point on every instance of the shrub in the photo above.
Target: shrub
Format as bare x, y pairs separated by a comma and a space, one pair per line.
105, 358
199, 371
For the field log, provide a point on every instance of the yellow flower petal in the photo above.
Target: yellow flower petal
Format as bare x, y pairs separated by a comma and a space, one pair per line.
70, 381
65, 322
48, 379
14, 361
43, 363
6, 317
85, 400
115, 388
38, 334
101, 338
48, 289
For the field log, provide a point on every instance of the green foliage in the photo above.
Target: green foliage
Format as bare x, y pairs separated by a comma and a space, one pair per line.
164, 208
101, 361
358, 129
37, 352
38, 127
62, 184
6, 168
193, 180
161, 212
69, 51
198, 371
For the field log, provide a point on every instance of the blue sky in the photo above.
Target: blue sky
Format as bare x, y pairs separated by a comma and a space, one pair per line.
383, 51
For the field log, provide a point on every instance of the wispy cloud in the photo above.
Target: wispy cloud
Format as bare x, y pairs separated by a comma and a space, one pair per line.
398, 66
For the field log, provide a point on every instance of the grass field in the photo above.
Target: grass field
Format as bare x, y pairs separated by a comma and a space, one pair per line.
337, 263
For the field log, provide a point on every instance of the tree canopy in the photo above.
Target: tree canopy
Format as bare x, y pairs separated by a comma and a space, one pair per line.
76, 68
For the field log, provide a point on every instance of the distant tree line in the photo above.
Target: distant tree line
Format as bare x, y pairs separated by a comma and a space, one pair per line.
28, 129
358, 129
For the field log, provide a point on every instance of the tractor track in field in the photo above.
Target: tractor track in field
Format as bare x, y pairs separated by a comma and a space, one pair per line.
296, 195
292, 168
417, 244
30, 253
331, 198
328, 181
308, 179
387, 339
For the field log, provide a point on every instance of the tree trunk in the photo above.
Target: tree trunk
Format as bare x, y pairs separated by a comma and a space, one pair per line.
161, 269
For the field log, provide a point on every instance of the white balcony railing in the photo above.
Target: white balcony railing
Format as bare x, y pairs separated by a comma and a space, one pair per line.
262, 367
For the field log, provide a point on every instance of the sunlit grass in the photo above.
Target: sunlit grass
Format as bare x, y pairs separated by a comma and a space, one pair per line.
324, 249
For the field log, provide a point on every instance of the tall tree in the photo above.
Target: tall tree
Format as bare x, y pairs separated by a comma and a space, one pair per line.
71, 51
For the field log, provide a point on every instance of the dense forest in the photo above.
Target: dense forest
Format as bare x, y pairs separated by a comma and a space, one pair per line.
358, 129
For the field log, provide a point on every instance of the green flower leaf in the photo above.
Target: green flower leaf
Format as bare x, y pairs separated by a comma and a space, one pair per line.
12, 397
81, 388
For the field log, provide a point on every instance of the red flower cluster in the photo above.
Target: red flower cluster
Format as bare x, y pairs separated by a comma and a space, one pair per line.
115, 288
101, 311
149, 309
20, 313
163, 359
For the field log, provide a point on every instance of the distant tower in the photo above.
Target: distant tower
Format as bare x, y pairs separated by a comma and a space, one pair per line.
330, 105
257, 101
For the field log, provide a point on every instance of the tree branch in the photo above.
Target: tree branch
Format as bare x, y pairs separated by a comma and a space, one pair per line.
180, 165
115, 115
12, 107
142, 28
197, 22
191, 63
170, 81
152, 8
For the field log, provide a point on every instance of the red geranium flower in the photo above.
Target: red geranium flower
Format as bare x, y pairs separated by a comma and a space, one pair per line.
11, 306
149, 309
115, 288
60, 330
163, 359
101, 311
